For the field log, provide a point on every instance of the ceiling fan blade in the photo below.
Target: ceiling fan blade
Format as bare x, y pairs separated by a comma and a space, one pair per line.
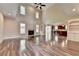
43, 5
35, 3
40, 7
36, 6
40, 3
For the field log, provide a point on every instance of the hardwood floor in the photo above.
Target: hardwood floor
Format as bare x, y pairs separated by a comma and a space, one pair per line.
9, 47
38, 47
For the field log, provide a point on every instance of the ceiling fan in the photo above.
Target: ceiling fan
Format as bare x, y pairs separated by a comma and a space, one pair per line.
39, 5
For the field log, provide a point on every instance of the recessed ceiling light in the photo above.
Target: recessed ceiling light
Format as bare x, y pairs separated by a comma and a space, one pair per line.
73, 9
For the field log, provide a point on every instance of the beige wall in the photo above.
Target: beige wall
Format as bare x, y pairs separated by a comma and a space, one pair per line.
11, 28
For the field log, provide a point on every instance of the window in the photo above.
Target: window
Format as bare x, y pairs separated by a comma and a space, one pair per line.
37, 28
22, 10
22, 28
48, 33
37, 15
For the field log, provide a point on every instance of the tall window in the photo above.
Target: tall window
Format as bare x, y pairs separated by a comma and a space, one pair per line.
22, 10
37, 15
22, 28
48, 33
37, 28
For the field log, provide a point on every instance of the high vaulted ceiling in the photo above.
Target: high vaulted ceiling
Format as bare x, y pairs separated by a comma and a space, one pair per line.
66, 8
9, 9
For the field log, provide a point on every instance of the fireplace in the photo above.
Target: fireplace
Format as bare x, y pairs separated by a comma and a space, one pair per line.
30, 32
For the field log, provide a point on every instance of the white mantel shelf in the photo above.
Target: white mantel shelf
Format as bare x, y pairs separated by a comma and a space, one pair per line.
60, 30
37, 35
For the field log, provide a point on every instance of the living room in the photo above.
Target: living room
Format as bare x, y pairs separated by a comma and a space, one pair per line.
39, 29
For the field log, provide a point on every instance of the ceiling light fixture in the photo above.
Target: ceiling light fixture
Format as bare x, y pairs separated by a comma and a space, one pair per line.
73, 9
